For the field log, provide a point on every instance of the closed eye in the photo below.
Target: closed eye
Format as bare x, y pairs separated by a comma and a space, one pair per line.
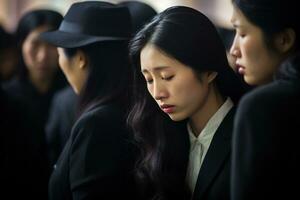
149, 81
167, 78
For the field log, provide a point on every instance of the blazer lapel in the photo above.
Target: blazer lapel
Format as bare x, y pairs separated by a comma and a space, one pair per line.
218, 153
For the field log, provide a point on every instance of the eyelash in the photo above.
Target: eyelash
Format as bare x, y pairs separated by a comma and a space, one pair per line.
163, 78
167, 78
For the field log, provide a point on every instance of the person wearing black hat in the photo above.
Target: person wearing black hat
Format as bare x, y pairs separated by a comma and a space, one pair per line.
184, 98
64, 103
98, 159
265, 160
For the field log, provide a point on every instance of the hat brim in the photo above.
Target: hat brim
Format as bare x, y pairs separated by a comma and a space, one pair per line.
71, 40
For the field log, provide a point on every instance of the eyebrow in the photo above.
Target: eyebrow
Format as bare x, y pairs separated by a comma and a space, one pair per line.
159, 68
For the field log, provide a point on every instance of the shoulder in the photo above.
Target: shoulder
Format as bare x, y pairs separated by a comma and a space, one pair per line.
269, 99
65, 98
104, 112
65, 93
102, 118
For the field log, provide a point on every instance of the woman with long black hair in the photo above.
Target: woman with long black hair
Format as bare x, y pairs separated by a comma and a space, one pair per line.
182, 116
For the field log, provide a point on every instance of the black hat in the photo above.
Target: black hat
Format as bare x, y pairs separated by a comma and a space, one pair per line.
89, 22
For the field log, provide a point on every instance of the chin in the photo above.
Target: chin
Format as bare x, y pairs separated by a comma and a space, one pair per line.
250, 81
176, 118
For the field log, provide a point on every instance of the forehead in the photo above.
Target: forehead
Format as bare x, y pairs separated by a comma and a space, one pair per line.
238, 19
154, 59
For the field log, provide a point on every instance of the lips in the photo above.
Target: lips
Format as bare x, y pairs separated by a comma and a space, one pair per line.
241, 69
167, 108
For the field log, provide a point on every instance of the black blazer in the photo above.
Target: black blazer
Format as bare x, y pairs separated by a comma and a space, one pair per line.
97, 161
214, 177
265, 162
61, 119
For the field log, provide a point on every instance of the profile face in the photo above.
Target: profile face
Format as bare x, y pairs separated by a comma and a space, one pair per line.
74, 69
39, 57
174, 86
254, 60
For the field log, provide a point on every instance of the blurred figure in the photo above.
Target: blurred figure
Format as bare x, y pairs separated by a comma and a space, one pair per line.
39, 76
98, 159
22, 167
266, 155
140, 12
8, 52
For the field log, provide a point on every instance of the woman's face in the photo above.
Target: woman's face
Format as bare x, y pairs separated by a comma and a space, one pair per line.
40, 58
254, 60
174, 86
74, 69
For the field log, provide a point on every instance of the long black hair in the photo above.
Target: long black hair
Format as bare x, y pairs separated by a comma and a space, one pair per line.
30, 21
109, 73
190, 37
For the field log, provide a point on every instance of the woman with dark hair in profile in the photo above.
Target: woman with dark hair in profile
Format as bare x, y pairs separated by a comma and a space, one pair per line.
62, 113
98, 159
182, 114
265, 160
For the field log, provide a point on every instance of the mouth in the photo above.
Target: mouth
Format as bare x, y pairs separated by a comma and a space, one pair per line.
167, 108
241, 69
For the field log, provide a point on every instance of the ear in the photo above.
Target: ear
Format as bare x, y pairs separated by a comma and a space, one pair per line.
285, 40
211, 76
82, 59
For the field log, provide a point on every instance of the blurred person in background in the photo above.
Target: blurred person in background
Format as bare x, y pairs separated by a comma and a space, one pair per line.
39, 76
22, 166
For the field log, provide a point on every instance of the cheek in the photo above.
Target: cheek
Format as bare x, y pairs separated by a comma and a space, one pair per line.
62, 64
150, 89
28, 54
192, 93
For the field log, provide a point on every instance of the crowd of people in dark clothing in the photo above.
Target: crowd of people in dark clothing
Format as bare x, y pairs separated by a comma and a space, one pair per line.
117, 101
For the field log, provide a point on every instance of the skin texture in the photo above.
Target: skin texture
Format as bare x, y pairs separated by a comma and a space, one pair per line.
40, 58
172, 83
74, 68
254, 59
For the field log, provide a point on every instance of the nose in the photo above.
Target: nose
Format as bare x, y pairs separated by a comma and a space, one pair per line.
234, 50
159, 91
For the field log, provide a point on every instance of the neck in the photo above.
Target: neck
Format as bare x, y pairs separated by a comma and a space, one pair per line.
213, 102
